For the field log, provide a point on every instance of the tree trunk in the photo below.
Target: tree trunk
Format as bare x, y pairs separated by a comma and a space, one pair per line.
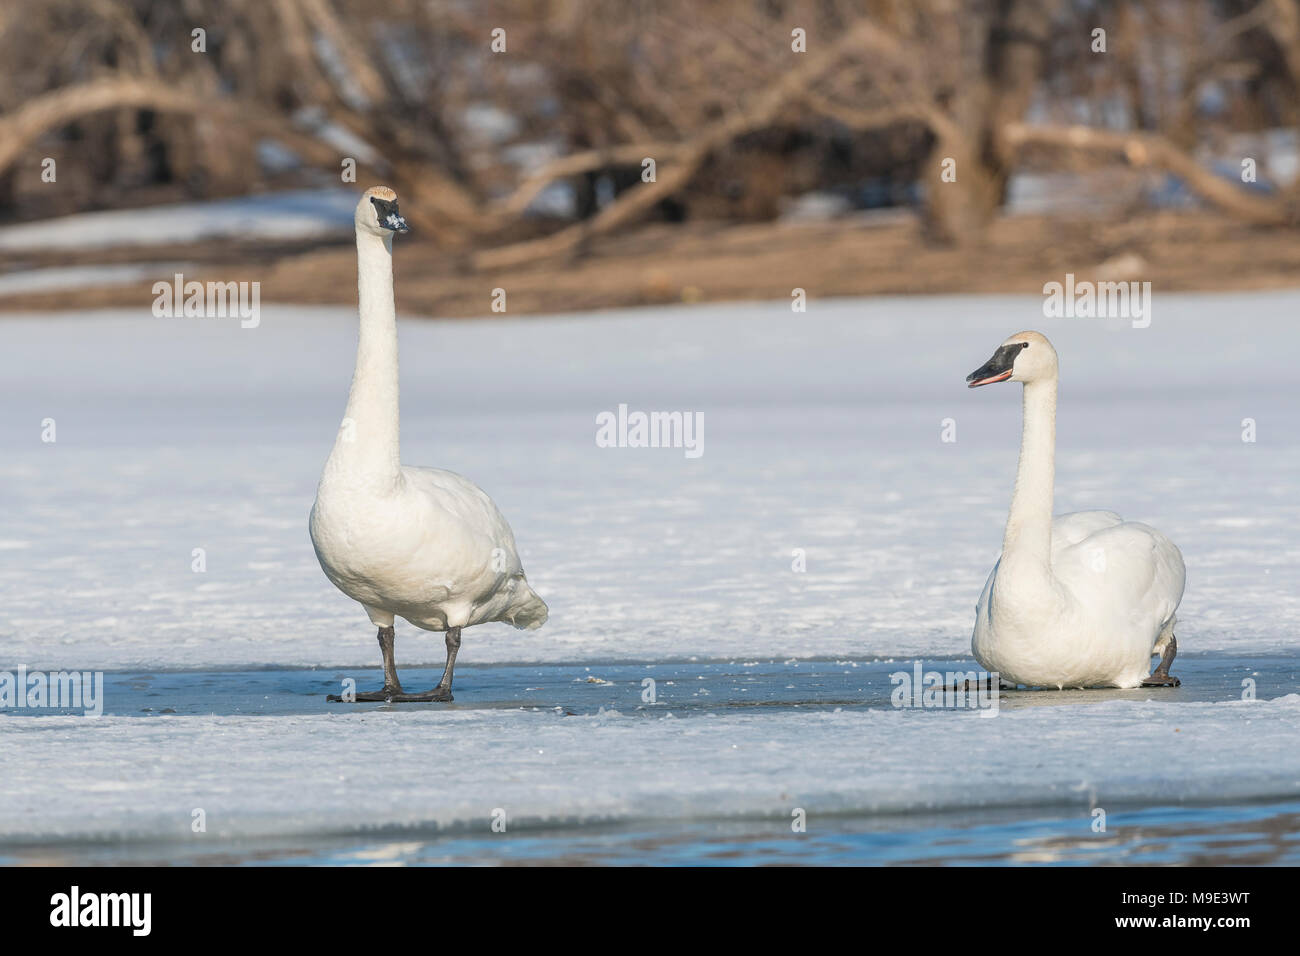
1002, 74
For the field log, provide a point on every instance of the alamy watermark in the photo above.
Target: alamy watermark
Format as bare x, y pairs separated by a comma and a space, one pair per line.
1098, 300
132, 911
969, 690
626, 429
212, 300
60, 690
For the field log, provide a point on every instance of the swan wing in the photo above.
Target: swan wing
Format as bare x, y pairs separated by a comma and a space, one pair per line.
1070, 529
463, 523
459, 500
1126, 567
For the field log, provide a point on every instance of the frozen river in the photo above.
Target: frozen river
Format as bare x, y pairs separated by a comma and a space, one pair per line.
161, 538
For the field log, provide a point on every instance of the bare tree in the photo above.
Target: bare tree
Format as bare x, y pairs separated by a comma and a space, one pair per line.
475, 128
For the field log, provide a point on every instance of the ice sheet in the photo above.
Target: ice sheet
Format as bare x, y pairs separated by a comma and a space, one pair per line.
294, 214
822, 433
75, 778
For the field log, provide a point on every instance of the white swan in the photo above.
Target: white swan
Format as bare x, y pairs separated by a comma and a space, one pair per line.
1082, 601
418, 543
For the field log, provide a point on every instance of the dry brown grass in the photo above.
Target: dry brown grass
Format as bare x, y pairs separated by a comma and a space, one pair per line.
663, 264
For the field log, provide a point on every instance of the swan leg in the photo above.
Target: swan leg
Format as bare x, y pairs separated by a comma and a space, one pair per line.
443, 691
1160, 677
392, 689
958, 686
986, 683
453, 647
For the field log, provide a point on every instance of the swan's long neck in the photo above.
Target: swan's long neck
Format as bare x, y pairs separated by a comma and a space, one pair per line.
367, 445
1029, 525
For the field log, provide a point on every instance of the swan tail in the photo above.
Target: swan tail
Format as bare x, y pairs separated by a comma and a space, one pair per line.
529, 611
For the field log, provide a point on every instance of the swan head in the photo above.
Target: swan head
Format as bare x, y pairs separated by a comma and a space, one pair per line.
377, 212
1024, 357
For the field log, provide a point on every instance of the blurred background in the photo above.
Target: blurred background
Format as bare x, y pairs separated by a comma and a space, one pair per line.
596, 153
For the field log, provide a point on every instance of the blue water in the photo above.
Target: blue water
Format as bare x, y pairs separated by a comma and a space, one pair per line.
687, 686
1252, 834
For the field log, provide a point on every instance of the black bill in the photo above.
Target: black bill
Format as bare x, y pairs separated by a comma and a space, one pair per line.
998, 368
388, 215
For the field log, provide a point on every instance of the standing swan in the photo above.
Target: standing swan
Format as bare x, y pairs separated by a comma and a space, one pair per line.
418, 543
1082, 601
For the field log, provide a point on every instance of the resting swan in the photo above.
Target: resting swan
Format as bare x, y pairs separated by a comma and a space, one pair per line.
418, 543
1082, 601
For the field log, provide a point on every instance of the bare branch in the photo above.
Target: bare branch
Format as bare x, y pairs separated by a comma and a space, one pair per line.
1148, 149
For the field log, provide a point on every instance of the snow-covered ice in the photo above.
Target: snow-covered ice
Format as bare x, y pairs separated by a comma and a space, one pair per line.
82, 277
286, 775
292, 214
822, 433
